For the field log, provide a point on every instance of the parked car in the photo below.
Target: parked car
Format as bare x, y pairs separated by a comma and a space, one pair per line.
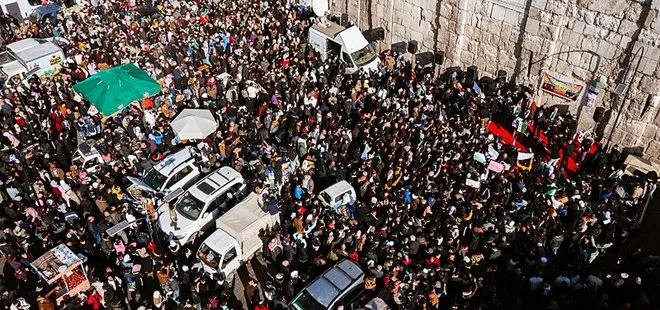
87, 158
333, 196
176, 171
196, 210
341, 285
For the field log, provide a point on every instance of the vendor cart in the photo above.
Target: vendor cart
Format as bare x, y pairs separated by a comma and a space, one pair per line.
63, 271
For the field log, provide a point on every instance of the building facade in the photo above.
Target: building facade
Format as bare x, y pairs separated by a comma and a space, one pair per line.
575, 42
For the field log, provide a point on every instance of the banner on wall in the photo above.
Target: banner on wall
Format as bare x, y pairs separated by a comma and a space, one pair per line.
589, 98
561, 88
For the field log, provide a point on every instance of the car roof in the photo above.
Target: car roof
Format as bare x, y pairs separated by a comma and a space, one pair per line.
212, 184
87, 150
338, 188
50, 8
329, 29
219, 241
171, 162
22, 45
12, 68
326, 288
39, 51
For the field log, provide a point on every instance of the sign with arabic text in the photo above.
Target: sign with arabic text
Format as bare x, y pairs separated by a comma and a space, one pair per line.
561, 88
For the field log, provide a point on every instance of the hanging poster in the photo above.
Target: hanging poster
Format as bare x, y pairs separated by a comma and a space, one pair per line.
560, 88
589, 98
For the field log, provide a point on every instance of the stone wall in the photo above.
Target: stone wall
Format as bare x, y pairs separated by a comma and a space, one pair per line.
581, 40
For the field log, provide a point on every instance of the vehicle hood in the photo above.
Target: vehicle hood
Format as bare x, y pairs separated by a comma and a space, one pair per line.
137, 183
372, 66
183, 224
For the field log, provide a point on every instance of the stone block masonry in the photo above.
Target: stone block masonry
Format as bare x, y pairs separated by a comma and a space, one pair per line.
582, 40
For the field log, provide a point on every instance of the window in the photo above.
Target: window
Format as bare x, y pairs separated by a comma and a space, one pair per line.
218, 202
229, 257
347, 60
189, 206
326, 197
236, 191
90, 163
78, 161
208, 256
182, 174
364, 56
341, 197
333, 47
306, 301
154, 179
351, 296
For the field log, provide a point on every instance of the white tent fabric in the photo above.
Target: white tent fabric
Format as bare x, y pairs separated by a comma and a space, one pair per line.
244, 221
194, 124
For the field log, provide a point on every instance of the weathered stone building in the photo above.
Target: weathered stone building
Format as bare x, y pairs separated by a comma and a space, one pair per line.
581, 41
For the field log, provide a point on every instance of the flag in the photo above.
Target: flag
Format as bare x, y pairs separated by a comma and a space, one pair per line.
525, 156
492, 153
551, 192
476, 88
472, 183
479, 157
522, 157
495, 166
553, 162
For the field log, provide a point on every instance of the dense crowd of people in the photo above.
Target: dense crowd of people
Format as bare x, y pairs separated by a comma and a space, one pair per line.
446, 215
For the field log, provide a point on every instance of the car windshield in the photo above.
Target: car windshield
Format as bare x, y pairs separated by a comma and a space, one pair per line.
78, 161
305, 301
154, 179
189, 206
208, 256
326, 197
364, 56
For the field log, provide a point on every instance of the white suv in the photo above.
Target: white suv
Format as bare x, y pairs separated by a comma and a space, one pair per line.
198, 208
176, 171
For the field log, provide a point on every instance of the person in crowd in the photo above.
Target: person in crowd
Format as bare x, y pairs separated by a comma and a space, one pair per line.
444, 215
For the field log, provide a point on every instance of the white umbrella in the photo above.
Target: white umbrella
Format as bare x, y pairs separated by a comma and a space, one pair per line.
194, 124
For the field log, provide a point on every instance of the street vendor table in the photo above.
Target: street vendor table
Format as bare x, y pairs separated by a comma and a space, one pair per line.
62, 269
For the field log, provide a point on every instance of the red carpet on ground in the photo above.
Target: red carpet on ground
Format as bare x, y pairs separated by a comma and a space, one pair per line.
506, 135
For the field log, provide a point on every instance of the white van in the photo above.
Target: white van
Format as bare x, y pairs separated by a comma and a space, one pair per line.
198, 208
333, 196
349, 43
176, 171
29, 57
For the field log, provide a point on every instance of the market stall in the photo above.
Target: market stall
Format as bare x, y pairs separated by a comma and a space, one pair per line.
63, 271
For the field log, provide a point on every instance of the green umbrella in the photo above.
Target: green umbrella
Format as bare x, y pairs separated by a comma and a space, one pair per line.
112, 90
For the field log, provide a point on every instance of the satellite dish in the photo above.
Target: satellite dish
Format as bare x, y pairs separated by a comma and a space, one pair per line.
320, 7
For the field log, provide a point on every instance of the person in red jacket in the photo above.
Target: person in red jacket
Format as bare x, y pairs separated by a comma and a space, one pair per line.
261, 306
94, 300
